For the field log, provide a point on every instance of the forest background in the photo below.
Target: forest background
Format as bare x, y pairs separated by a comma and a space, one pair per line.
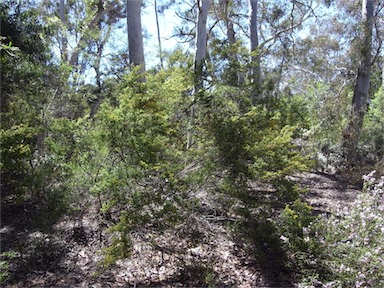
158, 113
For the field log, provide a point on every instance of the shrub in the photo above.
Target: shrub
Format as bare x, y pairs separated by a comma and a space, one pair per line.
293, 226
5, 260
347, 248
372, 140
131, 157
254, 144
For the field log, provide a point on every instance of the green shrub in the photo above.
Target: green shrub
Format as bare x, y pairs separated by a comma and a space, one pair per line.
5, 259
347, 248
131, 157
372, 140
254, 144
294, 222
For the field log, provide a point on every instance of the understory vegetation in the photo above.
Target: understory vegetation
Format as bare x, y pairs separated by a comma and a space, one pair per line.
159, 158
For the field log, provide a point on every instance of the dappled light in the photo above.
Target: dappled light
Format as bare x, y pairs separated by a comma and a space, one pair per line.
200, 143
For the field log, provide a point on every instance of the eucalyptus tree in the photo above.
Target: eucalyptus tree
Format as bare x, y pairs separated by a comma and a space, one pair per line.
201, 42
327, 60
158, 35
82, 32
135, 34
200, 56
79, 24
254, 71
361, 91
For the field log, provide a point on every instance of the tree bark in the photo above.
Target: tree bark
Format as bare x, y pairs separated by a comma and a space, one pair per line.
64, 40
201, 42
200, 55
360, 98
235, 77
135, 34
158, 37
254, 71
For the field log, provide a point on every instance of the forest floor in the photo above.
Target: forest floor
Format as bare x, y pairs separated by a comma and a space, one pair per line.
66, 251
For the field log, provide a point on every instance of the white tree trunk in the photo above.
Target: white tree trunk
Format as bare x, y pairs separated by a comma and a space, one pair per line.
360, 98
201, 42
135, 34
64, 40
158, 37
200, 55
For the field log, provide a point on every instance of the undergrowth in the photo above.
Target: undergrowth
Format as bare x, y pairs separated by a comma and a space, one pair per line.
344, 249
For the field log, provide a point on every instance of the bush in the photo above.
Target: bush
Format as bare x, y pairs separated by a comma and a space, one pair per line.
347, 248
372, 140
131, 156
254, 144
293, 226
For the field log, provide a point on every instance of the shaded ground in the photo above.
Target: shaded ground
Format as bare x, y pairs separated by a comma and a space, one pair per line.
199, 252
328, 192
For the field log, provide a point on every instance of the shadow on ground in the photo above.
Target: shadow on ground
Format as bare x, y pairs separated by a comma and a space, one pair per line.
259, 237
26, 234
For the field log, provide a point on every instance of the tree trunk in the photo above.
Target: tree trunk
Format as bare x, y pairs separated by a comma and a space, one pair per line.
135, 34
158, 37
200, 55
97, 64
64, 40
254, 71
101, 11
235, 76
201, 42
352, 131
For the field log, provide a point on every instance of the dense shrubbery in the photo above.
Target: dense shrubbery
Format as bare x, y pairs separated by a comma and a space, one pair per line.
132, 155
255, 143
27, 77
372, 141
132, 158
344, 249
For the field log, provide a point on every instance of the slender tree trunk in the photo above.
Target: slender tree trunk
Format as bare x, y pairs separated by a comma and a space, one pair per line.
100, 49
254, 71
135, 34
382, 76
200, 55
64, 40
201, 42
158, 37
74, 59
234, 75
352, 131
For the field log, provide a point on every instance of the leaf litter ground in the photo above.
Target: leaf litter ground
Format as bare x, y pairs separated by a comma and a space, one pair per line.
198, 253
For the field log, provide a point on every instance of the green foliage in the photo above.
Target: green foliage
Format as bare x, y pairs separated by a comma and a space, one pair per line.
8, 48
132, 155
254, 144
27, 81
293, 225
5, 259
372, 139
16, 152
227, 62
328, 113
347, 248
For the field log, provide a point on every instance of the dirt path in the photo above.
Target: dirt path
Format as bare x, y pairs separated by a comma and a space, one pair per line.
327, 192
196, 253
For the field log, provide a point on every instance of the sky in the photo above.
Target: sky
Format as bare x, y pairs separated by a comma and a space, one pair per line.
167, 21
